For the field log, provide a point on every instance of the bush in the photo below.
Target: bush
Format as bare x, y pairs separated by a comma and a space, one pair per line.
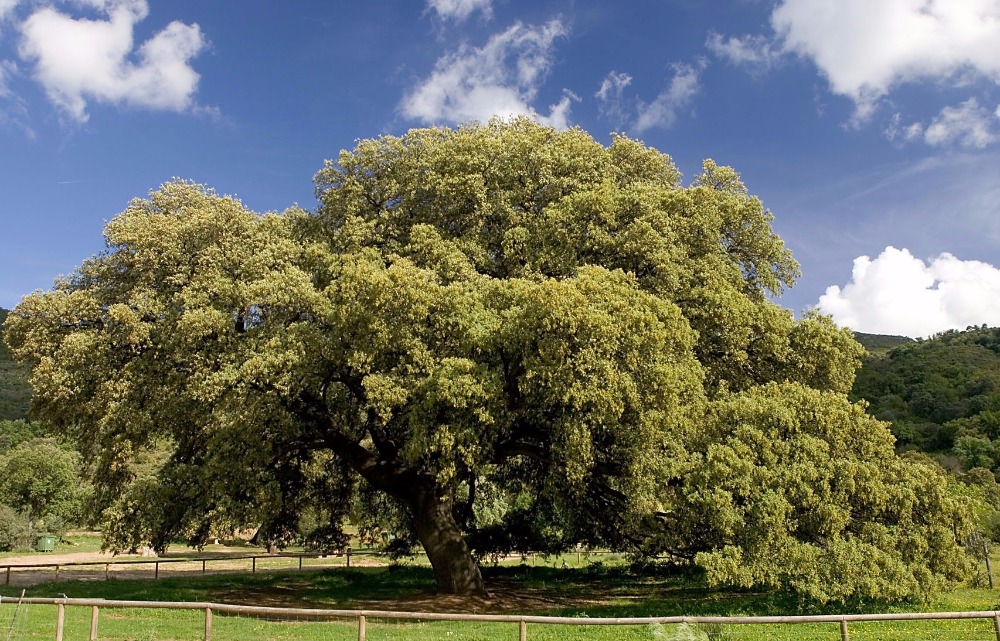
15, 529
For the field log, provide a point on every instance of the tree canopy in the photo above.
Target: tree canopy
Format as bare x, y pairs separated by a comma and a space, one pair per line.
483, 340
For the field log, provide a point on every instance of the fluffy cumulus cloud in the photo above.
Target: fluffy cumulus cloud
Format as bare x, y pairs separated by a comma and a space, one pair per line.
79, 60
865, 49
897, 293
458, 10
501, 78
677, 96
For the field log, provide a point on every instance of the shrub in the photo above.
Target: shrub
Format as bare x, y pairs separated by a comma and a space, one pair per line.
15, 529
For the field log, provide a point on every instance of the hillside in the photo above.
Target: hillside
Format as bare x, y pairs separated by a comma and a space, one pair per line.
15, 394
942, 395
880, 343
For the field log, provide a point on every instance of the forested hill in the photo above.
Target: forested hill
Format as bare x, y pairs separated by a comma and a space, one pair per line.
942, 395
880, 343
15, 394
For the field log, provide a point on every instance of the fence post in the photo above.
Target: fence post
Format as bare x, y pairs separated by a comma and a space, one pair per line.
523, 631
996, 624
203, 566
57, 573
8, 576
844, 636
156, 569
107, 570
986, 555
93, 623
300, 561
253, 566
60, 621
361, 627
208, 624
348, 557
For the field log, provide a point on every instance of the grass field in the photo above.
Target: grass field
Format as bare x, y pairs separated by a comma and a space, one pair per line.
592, 591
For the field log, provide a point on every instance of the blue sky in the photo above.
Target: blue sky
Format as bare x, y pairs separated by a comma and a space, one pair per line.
870, 128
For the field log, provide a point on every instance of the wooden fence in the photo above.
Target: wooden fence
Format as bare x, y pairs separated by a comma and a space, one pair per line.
7, 569
521, 621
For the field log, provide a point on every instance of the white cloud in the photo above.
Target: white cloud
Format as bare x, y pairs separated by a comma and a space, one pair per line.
459, 10
757, 52
896, 131
613, 85
6, 8
77, 60
897, 293
559, 113
609, 97
968, 124
663, 111
501, 78
866, 48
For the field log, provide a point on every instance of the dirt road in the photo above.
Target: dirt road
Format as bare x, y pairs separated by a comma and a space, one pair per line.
34, 569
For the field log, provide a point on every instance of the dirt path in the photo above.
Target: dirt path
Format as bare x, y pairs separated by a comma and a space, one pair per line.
34, 569
70, 557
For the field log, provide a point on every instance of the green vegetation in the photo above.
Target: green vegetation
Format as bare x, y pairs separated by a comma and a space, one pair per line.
942, 395
879, 344
485, 340
41, 489
15, 391
40, 478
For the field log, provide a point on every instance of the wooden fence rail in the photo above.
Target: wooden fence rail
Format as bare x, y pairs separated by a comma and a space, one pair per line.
522, 621
7, 568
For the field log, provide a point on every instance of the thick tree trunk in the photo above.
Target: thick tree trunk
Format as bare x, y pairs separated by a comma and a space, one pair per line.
455, 570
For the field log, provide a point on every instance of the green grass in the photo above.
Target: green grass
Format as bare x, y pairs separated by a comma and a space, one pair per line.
596, 591
77, 542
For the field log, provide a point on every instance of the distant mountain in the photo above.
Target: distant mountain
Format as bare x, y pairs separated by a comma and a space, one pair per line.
942, 394
15, 393
880, 343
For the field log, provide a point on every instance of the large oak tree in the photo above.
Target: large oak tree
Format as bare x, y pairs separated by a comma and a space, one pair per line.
485, 339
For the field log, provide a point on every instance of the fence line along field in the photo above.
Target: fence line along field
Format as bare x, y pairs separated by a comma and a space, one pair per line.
546, 601
23, 573
208, 621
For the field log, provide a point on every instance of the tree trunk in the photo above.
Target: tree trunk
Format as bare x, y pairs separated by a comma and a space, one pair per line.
437, 530
455, 571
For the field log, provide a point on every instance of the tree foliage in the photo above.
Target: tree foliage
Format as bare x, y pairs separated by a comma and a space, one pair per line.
41, 478
15, 391
794, 487
501, 336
